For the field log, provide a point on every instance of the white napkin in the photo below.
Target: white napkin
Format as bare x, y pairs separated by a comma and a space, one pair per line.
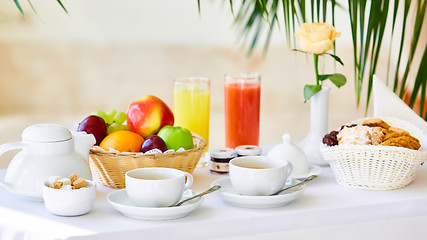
387, 103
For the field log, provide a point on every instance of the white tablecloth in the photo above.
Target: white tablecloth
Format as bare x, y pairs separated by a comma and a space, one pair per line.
326, 210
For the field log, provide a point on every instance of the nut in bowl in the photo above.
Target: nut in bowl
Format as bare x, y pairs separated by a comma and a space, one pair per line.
70, 196
375, 153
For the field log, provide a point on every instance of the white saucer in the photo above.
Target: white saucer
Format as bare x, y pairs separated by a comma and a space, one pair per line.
120, 201
312, 170
230, 195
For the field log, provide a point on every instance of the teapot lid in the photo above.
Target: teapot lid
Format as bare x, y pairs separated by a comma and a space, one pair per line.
46, 132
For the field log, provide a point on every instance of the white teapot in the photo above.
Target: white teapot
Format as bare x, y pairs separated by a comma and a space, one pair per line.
293, 154
47, 150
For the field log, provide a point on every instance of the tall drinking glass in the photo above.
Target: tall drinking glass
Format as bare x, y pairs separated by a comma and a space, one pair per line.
191, 100
242, 93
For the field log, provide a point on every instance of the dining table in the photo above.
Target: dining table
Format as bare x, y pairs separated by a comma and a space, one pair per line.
325, 210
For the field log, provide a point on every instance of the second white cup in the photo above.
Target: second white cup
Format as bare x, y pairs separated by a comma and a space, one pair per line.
156, 186
258, 175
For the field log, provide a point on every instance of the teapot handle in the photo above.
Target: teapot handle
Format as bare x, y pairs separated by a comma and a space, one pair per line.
11, 146
5, 148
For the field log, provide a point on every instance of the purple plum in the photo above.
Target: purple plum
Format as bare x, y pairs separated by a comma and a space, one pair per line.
94, 125
152, 142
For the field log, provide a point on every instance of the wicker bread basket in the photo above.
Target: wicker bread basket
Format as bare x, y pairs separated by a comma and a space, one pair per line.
110, 168
376, 167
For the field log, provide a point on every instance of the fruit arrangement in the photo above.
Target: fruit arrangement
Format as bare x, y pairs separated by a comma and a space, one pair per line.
147, 127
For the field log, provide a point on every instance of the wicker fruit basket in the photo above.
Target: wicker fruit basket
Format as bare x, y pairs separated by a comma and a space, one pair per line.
376, 167
110, 168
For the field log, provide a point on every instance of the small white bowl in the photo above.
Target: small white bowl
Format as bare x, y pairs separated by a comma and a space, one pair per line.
72, 202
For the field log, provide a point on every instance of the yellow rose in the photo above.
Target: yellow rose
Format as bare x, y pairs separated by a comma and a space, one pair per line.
316, 37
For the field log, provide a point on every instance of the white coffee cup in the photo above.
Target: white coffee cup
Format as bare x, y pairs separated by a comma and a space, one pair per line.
258, 175
156, 186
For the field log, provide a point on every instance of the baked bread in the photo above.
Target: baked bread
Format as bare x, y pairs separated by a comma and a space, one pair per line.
373, 131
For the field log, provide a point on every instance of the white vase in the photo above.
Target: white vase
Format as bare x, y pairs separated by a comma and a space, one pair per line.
319, 107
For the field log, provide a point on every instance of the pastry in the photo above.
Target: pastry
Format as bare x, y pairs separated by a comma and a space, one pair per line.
376, 135
406, 141
358, 135
372, 131
375, 122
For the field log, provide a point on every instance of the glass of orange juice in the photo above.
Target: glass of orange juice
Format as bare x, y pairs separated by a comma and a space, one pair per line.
191, 102
242, 93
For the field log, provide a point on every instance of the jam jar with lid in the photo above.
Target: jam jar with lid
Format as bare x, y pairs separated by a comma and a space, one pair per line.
220, 159
248, 150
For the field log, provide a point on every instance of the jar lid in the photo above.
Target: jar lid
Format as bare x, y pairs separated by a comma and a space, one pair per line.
248, 150
46, 132
224, 153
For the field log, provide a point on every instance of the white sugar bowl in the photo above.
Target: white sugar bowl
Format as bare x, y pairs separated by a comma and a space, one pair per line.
291, 153
72, 202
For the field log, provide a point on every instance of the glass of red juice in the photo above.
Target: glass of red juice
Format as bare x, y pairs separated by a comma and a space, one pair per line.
242, 93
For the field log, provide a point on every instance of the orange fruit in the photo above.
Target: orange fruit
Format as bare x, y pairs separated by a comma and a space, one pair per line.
122, 141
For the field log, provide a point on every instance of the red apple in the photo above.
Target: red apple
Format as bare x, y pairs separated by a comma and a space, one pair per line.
148, 115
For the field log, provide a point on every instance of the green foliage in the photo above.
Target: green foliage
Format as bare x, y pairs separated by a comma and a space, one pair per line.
337, 79
368, 21
310, 90
18, 5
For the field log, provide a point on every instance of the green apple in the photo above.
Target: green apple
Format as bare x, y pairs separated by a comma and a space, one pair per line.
176, 137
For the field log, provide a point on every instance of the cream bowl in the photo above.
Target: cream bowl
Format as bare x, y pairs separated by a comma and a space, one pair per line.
72, 202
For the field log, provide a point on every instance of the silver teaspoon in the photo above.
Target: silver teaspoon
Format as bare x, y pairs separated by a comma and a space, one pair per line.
312, 177
210, 190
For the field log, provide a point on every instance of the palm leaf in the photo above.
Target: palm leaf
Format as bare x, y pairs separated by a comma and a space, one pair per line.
19, 6
62, 5
324, 10
59, 2
402, 41
419, 18
287, 18
395, 8
420, 78
313, 10
270, 32
423, 96
32, 7
302, 8
381, 21
353, 15
420, 85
